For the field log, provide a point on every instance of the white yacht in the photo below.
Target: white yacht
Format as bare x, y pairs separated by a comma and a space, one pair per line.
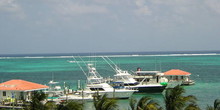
143, 81
96, 83
54, 90
125, 77
150, 81
80, 96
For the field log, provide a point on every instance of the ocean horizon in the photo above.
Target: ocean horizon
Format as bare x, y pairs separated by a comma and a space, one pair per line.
41, 68
115, 53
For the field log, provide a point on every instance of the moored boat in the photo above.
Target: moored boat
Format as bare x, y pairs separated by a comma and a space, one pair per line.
54, 91
150, 81
77, 96
143, 81
96, 83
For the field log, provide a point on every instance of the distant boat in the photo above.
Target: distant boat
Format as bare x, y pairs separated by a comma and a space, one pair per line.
135, 55
54, 90
71, 61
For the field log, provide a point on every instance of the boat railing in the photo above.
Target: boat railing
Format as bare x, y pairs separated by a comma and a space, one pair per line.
145, 83
139, 77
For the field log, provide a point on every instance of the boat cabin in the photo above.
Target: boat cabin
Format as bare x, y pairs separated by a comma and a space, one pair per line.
117, 85
148, 77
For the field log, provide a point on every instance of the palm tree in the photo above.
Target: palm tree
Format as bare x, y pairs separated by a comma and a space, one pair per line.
104, 103
36, 101
70, 105
216, 105
145, 103
174, 99
50, 105
132, 103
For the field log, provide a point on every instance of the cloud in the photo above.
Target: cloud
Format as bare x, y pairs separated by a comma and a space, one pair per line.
214, 5
68, 7
12, 8
142, 8
108, 2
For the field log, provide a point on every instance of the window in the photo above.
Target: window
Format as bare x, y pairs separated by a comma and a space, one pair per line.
176, 77
96, 89
181, 77
4, 93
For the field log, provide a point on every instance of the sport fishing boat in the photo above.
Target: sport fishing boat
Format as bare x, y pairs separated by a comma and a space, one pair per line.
125, 77
96, 83
143, 81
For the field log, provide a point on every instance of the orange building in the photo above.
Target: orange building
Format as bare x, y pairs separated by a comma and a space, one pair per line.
179, 75
19, 89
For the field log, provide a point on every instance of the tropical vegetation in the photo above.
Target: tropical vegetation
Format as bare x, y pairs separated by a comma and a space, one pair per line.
174, 99
216, 105
104, 103
37, 101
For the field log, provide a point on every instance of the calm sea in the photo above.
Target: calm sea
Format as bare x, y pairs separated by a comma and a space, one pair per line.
204, 66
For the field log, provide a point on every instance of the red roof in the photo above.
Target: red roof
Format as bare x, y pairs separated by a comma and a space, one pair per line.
177, 72
21, 85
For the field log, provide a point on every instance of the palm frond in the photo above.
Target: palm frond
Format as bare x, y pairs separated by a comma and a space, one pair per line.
209, 108
132, 103
105, 103
148, 103
174, 99
110, 104
192, 107
217, 104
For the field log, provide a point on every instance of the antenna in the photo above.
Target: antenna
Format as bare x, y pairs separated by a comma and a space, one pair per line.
112, 62
108, 63
52, 76
155, 65
160, 66
82, 60
117, 69
80, 66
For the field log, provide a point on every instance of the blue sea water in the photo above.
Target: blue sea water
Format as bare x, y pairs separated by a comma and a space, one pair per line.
40, 68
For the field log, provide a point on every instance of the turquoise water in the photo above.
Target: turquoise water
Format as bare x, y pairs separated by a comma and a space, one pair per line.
205, 71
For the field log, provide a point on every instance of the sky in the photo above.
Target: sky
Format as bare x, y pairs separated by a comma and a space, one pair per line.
89, 26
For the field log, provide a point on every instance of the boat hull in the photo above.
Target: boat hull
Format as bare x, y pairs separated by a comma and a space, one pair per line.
149, 88
118, 94
188, 83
